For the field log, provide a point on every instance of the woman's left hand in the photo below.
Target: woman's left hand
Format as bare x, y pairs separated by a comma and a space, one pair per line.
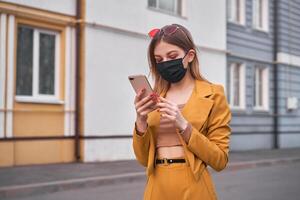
171, 111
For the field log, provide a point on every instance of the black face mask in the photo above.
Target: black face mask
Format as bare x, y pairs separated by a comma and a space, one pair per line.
172, 70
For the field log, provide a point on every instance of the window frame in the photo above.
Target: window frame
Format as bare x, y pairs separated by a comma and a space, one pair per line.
241, 19
264, 15
264, 89
182, 12
36, 97
242, 86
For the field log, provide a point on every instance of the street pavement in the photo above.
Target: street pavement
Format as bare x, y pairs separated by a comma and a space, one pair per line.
260, 174
278, 182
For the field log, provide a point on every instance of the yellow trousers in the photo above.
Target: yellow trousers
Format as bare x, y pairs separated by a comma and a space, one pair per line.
176, 182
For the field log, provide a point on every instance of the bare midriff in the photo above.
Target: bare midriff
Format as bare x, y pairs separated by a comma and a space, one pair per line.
168, 144
170, 152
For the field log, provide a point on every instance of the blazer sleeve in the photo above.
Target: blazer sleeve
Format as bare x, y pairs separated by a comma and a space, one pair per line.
141, 145
213, 147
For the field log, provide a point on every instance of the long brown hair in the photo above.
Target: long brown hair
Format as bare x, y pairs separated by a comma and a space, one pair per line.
181, 38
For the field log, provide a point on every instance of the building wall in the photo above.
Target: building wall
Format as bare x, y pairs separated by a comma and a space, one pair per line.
289, 71
116, 46
245, 41
68, 7
33, 131
251, 123
251, 47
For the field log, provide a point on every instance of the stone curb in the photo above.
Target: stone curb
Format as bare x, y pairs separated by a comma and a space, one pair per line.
260, 163
55, 186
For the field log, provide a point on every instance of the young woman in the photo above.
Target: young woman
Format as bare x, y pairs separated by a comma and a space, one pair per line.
184, 126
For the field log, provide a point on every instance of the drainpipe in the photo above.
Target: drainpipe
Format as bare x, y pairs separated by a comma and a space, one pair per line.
275, 75
80, 6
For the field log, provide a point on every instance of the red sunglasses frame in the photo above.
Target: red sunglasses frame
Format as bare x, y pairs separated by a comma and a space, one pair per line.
166, 30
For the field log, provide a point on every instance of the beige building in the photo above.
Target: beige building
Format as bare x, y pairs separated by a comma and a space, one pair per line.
37, 76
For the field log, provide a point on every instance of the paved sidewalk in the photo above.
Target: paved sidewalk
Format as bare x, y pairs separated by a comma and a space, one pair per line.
35, 179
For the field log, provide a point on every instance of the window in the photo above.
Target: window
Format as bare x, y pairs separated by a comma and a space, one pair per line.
236, 11
260, 15
171, 6
37, 63
261, 88
237, 86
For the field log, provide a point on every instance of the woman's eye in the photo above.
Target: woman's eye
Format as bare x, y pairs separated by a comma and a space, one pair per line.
173, 56
157, 61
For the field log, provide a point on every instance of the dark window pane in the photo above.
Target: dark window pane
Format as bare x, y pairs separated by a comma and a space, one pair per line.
229, 8
255, 88
238, 14
236, 82
260, 87
260, 5
179, 7
47, 64
152, 3
24, 61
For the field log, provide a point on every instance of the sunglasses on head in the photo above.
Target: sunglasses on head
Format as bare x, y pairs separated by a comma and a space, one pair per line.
166, 30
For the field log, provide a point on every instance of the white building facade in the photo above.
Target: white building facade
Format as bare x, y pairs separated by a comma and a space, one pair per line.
116, 46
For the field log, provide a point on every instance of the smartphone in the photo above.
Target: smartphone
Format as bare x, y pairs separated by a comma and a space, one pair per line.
139, 82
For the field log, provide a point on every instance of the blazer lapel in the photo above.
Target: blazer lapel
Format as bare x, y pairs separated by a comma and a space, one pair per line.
196, 109
198, 106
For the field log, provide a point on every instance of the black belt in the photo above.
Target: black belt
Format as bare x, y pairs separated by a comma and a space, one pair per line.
169, 161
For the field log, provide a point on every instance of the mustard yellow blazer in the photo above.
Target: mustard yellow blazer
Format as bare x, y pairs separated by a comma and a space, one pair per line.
208, 112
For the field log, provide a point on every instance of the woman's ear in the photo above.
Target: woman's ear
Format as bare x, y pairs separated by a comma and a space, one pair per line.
191, 55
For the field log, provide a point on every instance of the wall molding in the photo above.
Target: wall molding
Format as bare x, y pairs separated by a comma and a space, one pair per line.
230, 53
102, 137
36, 14
288, 59
142, 35
282, 58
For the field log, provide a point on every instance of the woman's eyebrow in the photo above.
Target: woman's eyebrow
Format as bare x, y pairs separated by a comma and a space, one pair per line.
172, 51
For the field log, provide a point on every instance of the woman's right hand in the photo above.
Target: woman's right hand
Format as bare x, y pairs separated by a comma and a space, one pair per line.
144, 106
